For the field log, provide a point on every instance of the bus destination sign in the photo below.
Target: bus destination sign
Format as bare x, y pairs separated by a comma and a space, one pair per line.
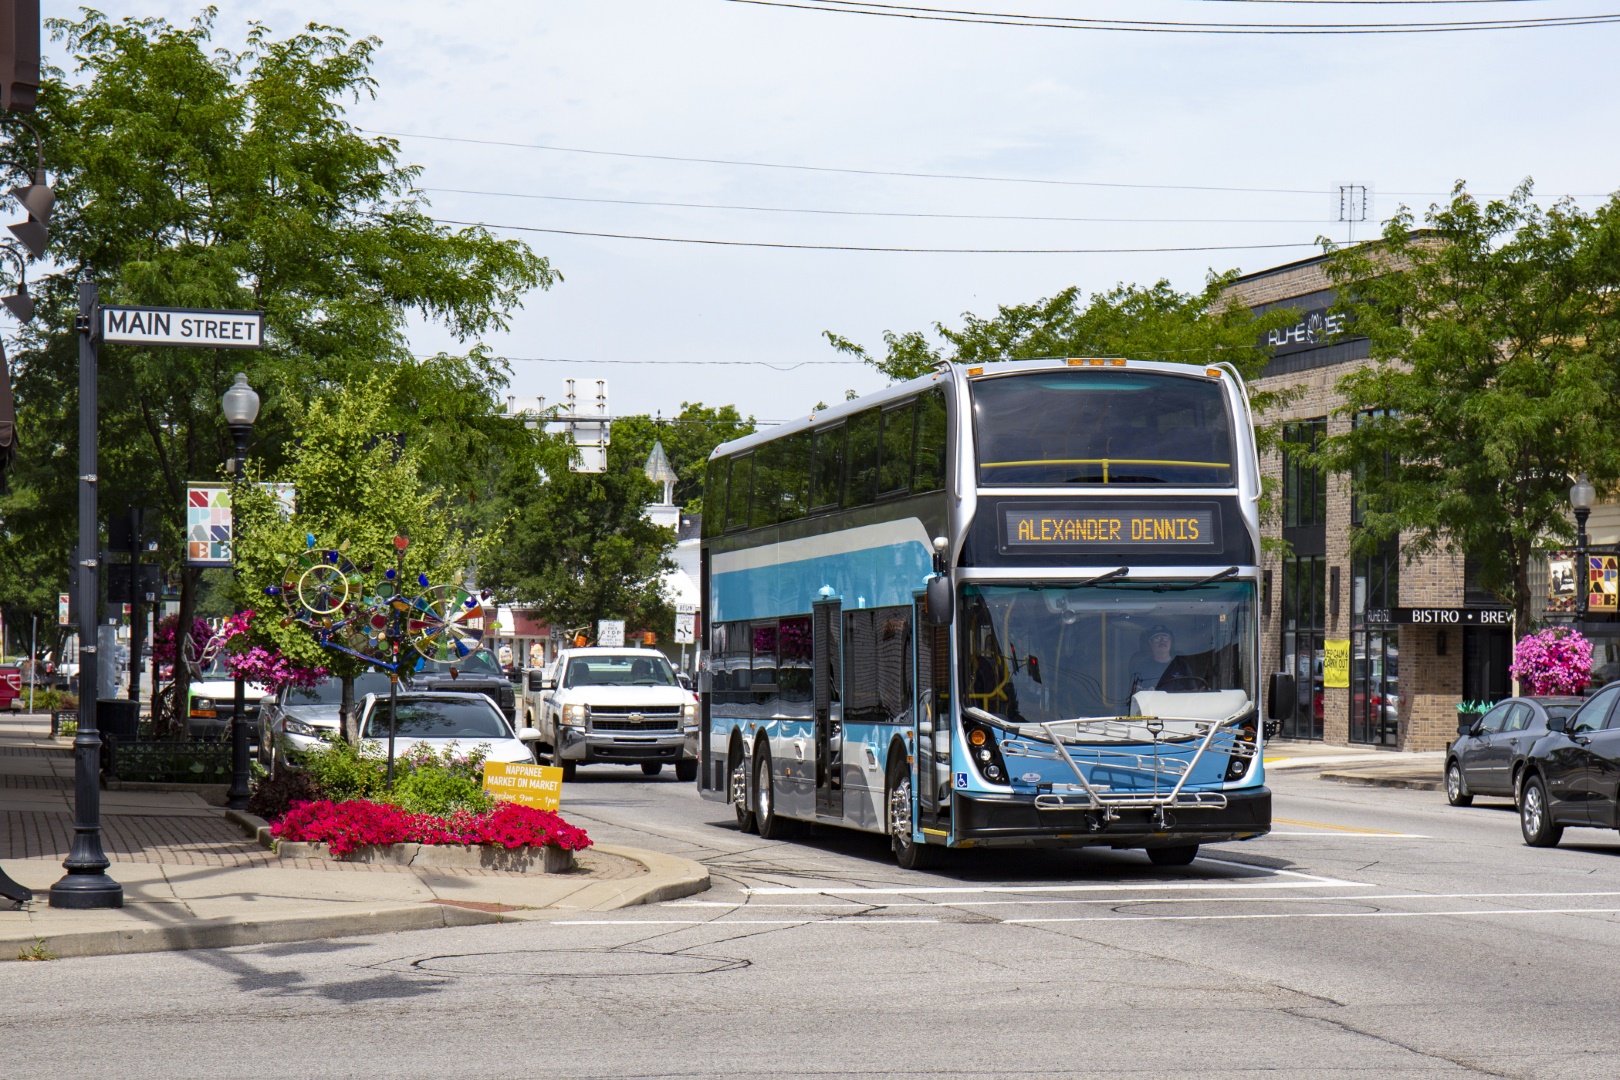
1110, 526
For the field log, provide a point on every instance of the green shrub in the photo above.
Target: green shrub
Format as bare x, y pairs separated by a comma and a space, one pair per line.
431, 790
342, 771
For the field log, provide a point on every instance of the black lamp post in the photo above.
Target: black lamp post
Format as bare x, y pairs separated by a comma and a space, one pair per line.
1581, 497
241, 405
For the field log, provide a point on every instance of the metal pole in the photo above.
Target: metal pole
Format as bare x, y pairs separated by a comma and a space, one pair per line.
86, 884
393, 703
237, 797
33, 659
1584, 583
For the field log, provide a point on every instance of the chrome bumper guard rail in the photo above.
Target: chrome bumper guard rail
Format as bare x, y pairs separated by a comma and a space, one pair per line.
1086, 734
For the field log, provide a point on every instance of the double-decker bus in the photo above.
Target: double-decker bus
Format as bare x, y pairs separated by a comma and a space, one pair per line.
1000, 605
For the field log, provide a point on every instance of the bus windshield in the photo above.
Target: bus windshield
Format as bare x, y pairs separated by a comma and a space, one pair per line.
1035, 654
1102, 426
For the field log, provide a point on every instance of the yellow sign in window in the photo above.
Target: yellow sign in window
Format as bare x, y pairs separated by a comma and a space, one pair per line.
1336, 664
539, 786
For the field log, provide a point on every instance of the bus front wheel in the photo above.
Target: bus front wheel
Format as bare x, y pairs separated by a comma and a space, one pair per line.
907, 852
738, 793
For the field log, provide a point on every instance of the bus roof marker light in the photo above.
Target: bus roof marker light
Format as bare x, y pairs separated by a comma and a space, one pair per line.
975, 371
1096, 361
1075, 363
1117, 363
1213, 372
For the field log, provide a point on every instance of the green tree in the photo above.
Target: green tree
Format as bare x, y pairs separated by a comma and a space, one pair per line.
354, 491
688, 439
1495, 336
578, 546
189, 175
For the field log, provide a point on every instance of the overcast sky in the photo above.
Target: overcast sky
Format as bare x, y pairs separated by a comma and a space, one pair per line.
1405, 115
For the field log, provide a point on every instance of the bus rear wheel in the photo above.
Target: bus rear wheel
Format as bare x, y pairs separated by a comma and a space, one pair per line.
907, 852
738, 793
770, 825
1180, 855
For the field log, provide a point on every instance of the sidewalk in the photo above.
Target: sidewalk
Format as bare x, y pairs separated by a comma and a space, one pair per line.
1419, 771
193, 878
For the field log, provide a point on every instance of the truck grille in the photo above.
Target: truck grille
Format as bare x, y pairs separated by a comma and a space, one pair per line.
628, 718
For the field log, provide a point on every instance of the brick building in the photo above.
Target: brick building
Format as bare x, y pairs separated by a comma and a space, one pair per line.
1367, 674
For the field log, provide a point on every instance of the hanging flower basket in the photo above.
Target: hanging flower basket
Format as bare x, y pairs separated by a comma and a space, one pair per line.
1553, 661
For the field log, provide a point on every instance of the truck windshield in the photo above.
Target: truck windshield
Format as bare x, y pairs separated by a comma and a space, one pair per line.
1102, 426
1033, 654
478, 662
620, 671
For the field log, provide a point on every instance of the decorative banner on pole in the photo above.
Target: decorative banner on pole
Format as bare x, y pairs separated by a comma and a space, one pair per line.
1561, 580
539, 786
1603, 573
182, 326
64, 606
208, 521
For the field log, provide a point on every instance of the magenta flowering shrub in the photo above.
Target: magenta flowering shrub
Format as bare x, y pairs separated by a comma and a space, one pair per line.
258, 665
346, 827
1554, 661
163, 644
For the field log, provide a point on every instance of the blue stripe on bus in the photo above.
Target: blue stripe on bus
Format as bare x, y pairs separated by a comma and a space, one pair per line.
885, 576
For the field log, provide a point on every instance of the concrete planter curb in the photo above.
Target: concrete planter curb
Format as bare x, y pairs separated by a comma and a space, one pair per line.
1373, 779
550, 859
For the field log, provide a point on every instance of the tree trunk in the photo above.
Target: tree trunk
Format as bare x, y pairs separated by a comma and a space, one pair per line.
351, 722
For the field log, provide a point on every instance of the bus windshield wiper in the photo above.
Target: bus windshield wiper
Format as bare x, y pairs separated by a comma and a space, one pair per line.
1109, 576
1164, 586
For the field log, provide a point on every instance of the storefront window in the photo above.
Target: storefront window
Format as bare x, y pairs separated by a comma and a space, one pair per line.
1375, 655
1304, 614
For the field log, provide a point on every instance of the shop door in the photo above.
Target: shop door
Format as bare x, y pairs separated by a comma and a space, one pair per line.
1304, 631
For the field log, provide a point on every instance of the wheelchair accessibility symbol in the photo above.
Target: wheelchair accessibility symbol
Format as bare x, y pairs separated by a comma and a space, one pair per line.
961, 779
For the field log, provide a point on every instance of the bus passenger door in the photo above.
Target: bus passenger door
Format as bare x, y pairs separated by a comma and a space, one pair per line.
829, 710
933, 722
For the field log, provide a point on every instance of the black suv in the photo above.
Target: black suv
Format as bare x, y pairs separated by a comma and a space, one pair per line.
476, 673
1572, 774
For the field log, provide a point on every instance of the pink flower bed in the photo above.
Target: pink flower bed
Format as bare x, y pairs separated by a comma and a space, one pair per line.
349, 826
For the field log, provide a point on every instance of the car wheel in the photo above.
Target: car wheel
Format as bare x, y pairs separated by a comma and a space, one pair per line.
1180, 855
686, 771
652, 768
1456, 793
909, 854
738, 793
1535, 815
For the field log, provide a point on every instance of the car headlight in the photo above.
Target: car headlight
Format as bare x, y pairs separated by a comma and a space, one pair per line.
574, 715
298, 727
202, 705
689, 712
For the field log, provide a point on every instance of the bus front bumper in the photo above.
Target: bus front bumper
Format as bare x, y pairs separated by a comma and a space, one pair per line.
1013, 820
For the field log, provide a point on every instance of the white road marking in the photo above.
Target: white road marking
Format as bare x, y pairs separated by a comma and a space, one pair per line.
1364, 835
1156, 886
1120, 900
1321, 915
853, 921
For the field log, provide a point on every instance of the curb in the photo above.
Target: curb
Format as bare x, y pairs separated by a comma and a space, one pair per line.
1375, 780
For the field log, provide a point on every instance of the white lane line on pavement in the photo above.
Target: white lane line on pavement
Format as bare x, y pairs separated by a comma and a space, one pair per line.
1319, 915
801, 905
1358, 835
853, 921
962, 890
1316, 879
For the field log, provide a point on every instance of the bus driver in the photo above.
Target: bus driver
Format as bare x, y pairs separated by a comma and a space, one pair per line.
1158, 665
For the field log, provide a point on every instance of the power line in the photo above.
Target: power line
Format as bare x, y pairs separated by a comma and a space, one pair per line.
884, 213
684, 363
1171, 26
855, 247
843, 171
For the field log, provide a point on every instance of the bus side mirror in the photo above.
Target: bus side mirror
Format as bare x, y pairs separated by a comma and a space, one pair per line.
1280, 696
939, 604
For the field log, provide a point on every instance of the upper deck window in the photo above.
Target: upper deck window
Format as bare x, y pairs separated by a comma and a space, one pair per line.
1055, 428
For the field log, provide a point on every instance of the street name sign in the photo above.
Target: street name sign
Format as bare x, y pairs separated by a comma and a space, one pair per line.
196, 328
539, 786
1414, 616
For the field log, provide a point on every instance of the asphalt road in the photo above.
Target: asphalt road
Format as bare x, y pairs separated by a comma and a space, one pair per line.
1376, 933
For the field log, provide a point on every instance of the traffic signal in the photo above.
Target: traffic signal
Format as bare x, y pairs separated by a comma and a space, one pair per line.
19, 55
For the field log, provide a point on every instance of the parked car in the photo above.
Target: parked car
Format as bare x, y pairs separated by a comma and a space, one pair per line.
476, 673
1572, 774
213, 699
11, 688
439, 720
1490, 750
296, 718
616, 706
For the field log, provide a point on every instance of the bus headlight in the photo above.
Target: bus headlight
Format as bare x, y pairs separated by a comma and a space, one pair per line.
202, 707
982, 748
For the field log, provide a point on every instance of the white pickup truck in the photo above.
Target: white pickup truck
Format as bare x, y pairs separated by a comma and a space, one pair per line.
613, 706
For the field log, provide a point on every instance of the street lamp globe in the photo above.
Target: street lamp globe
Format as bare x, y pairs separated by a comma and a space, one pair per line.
1581, 494
241, 403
